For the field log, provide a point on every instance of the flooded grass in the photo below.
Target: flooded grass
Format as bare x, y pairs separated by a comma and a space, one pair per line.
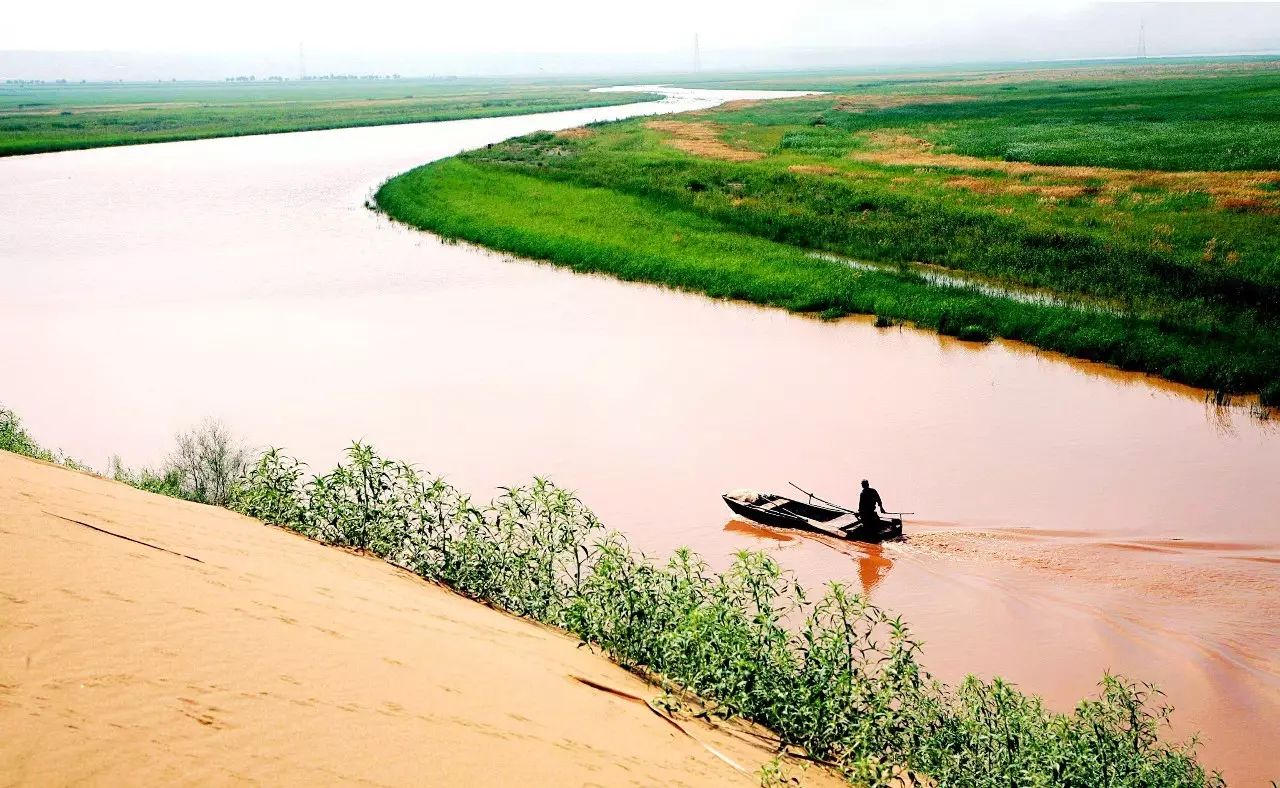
719, 201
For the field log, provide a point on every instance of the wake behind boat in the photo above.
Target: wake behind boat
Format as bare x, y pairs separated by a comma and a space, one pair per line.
827, 518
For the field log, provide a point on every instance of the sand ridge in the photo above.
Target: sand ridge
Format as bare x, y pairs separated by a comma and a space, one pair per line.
178, 643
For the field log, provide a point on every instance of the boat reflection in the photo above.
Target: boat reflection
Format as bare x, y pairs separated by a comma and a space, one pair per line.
873, 564
758, 531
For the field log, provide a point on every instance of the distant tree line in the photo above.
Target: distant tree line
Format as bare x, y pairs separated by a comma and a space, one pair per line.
309, 78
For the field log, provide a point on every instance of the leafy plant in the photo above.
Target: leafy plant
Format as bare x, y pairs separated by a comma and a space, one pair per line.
15, 438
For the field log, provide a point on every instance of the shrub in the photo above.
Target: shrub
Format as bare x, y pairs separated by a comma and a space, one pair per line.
271, 490
15, 438
160, 482
973, 333
206, 463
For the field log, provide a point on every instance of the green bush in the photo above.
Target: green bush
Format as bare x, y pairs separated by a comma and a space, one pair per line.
973, 333
15, 438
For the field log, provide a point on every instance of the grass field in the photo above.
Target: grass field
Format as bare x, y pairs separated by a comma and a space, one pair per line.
36, 118
1146, 199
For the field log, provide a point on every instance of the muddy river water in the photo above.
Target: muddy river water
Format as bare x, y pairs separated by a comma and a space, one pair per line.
1070, 519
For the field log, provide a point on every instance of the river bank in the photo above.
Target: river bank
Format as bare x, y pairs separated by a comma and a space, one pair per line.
41, 118
1156, 257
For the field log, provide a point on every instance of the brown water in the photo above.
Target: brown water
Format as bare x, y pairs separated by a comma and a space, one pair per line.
1070, 519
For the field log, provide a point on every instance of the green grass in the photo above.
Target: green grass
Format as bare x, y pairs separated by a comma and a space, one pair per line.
1172, 270
36, 118
1178, 122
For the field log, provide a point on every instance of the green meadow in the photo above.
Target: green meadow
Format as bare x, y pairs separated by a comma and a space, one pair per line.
1143, 201
42, 117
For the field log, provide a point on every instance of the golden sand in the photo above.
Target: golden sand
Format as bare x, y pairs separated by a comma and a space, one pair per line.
145, 640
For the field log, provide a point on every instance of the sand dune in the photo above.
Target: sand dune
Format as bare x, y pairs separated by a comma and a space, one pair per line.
214, 649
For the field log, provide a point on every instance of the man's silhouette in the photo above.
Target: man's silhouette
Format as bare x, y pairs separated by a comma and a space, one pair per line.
868, 500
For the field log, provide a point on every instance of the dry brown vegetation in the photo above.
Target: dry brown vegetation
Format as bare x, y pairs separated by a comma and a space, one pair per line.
701, 139
728, 106
579, 133
813, 169
866, 102
1233, 190
993, 186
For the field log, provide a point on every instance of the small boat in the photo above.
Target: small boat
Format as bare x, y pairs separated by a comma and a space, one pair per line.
827, 518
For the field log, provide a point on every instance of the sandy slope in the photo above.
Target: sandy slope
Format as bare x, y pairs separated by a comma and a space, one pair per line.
276, 659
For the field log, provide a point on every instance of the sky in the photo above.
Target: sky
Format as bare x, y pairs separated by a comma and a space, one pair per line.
496, 25
504, 36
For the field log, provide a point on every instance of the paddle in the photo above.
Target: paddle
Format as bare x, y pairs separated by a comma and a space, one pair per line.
813, 498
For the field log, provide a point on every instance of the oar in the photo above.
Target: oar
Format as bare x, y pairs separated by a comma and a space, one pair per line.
813, 498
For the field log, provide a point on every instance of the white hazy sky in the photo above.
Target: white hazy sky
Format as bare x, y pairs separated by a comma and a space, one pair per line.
498, 25
426, 34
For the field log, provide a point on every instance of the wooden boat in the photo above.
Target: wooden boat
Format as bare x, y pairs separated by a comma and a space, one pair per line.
780, 511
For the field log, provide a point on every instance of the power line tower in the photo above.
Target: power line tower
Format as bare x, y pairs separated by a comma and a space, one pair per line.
302, 62
697, 55
1142, 39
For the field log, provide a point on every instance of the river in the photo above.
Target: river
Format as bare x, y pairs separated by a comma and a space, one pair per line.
1070, 518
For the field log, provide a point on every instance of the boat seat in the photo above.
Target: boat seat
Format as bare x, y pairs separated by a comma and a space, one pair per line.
775, 504
843, 521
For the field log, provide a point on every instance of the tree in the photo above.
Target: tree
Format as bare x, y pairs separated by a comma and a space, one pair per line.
207, 462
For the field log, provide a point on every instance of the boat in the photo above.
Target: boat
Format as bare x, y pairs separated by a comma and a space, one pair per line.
779, 511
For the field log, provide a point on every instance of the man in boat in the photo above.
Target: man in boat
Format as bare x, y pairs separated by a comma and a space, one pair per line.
868, 500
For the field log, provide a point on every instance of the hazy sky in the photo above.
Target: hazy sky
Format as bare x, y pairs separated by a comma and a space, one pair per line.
495, 25
399, 33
